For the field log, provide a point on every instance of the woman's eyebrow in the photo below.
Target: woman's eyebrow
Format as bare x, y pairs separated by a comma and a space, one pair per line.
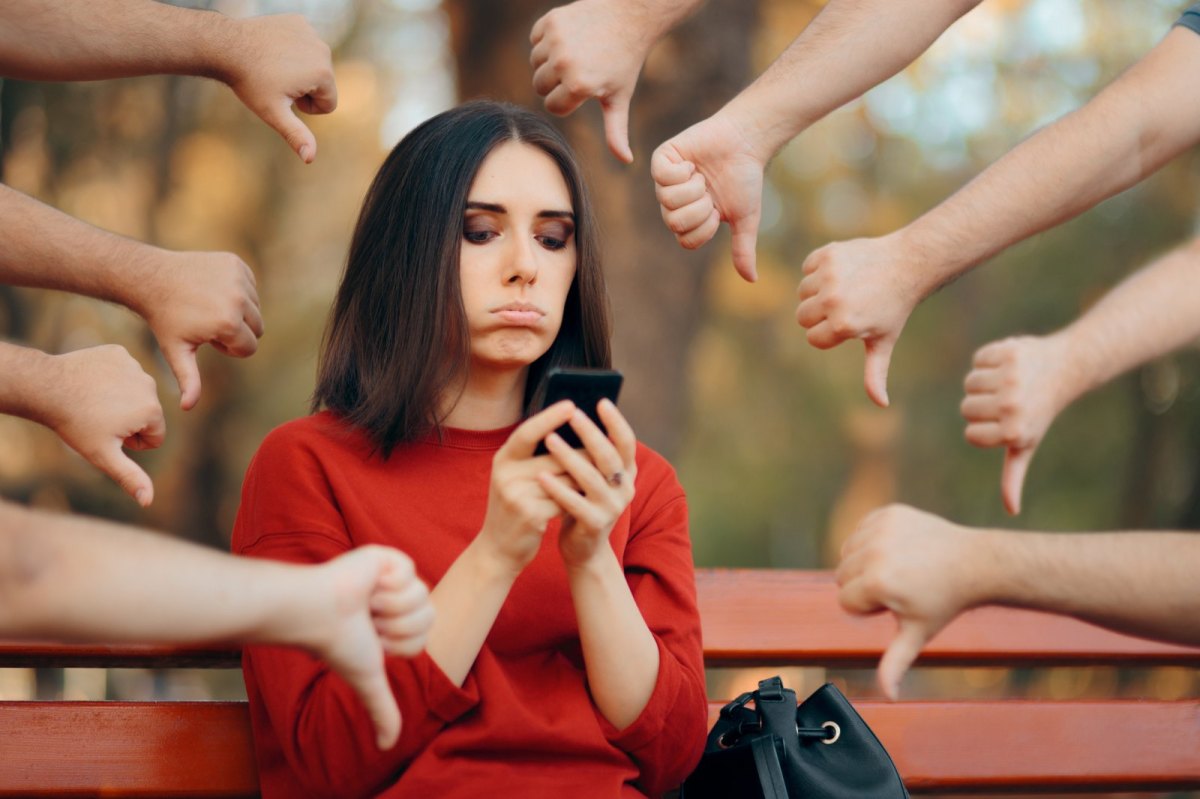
496, 208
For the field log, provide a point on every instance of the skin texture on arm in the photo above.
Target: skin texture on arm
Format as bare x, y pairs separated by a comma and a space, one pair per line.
851, 46
926, 571
269, 62
619, 651
1018, 386
97, 400
866, 288
188, 298
596, 48
86, 580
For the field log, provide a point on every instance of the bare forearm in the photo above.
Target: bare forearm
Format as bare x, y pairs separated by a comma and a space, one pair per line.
84, 579
850, 47
1154, 311
466, 603
97, 39
1142, 583
1123, 135
45, 248
619, 651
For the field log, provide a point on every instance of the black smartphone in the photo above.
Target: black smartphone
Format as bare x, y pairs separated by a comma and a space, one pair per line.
584, 387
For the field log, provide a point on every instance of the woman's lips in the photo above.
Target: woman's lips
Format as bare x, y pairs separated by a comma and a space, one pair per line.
519, 314
519, 318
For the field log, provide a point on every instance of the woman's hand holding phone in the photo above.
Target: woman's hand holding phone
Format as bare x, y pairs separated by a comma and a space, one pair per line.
519, 507
596, 483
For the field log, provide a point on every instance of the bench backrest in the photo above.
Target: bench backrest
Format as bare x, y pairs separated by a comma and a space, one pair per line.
751, 618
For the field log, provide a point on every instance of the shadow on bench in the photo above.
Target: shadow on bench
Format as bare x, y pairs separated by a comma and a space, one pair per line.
751, 618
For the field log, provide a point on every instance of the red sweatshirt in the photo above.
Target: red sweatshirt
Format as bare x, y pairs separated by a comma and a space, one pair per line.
522, 724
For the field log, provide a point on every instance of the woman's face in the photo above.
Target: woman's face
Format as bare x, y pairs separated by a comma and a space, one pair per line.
518, 256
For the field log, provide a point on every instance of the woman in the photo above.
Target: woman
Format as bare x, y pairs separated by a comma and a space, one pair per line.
565, 653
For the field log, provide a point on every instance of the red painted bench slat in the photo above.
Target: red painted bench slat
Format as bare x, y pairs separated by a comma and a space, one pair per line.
134, 749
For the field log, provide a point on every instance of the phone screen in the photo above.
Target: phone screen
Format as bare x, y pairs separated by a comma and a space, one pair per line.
584, 387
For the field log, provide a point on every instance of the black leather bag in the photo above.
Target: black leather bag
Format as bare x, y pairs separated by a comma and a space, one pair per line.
775, 750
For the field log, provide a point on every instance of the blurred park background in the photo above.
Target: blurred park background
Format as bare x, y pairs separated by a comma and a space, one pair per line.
776, 443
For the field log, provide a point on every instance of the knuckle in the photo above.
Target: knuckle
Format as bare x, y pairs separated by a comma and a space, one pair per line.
677, 224
841, 327
578, 86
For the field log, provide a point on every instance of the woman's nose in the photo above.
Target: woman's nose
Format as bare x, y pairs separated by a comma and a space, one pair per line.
522, 262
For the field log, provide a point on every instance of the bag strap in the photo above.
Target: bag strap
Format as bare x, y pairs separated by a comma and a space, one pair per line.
770, 773
741, 701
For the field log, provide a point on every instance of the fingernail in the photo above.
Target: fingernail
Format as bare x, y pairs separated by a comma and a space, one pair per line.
142, 497
306, 154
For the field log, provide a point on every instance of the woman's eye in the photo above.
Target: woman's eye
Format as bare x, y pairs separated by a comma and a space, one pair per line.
478, 236
554, 237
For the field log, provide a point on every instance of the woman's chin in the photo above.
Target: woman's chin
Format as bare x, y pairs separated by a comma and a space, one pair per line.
510, 360
509, 351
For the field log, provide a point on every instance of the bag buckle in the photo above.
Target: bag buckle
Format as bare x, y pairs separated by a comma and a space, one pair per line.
770, 690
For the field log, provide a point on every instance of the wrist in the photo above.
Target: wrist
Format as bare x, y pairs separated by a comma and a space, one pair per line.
144, 280
761, 126
212, 48
653, 19
593, 568
290, 608
927, 259
29, 377
489, 564
991, 555
1073, 362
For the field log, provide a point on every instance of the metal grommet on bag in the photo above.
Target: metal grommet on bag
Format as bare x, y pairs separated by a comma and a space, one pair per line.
837, 732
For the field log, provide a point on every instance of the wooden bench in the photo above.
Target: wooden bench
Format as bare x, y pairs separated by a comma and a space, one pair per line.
752, 618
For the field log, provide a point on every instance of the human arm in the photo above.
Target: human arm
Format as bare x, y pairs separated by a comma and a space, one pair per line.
849, 47
79, 579
97, 400
926, 571
867, 288
270, 62
635, 601
596, 48
188, 298
1018, 386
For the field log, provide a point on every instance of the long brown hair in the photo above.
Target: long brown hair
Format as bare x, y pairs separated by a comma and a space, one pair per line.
397, 337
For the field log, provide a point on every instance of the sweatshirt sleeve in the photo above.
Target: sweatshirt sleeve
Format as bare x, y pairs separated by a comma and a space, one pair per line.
666, 740
289, 513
